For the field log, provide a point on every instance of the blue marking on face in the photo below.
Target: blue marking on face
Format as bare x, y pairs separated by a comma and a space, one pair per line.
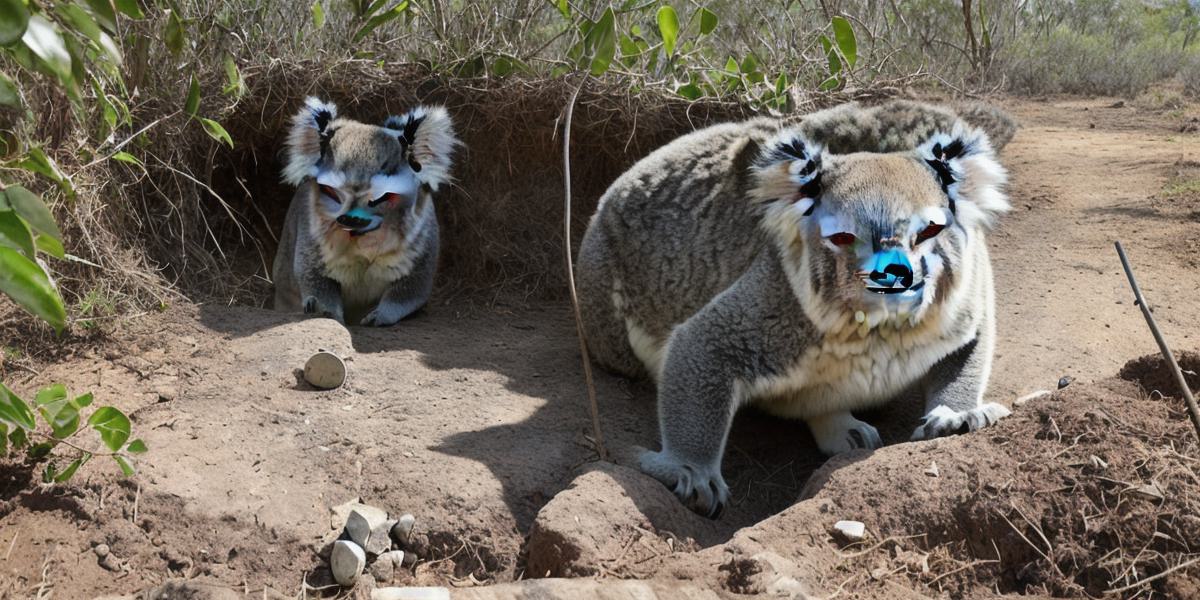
888, 267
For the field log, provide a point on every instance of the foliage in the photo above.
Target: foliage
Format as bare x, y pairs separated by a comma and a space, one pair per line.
63, 416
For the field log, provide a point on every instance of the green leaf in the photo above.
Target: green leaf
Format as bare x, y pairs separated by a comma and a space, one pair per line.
103, 9
174, 35
502, 67
781, 84
318, 14
36, 160
14, 18
83, 401
69, 472
829, 84
28, 285
33, 210
15, 412
3, 440
112, 425
708, 21
564, 9
192, 105
58, 411
668, 26
380, 19
18, 437
83, 23
14, 233
749, 64
835, 65
130, 8
844, 34
49, 472
122, 462
603, 42
215, 131
50, 246
9, 94
43, 39
126, 157
136, 446
690, 91
235, 84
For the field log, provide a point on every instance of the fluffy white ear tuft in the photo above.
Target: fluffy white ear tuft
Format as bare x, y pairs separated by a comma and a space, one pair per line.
966, 166
310, 129
789, 169
427, 133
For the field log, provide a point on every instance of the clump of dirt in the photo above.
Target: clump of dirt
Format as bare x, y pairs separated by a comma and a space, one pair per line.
1152, 374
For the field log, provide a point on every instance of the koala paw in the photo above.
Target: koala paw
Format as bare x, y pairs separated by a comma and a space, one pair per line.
700, 488
312, 306
841, 432
388, 313
944, 420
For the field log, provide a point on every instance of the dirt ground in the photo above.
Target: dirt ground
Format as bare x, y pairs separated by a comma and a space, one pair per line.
472, 416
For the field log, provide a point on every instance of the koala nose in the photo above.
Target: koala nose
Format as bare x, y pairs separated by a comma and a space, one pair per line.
891, 266
352, 221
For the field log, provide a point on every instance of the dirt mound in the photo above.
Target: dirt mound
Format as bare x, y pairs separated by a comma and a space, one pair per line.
1153, 376
1089, 490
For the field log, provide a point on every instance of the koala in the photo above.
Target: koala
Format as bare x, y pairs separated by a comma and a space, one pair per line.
360, 241
812, 269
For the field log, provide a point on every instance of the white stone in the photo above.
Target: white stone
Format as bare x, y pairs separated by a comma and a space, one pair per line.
347, 562
933, 471
404, 527
380, 540
410, 593
850, 530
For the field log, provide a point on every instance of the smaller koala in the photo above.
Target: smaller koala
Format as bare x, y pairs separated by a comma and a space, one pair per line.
360, 241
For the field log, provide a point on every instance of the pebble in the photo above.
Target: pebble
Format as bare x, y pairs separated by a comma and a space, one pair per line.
358, 529
850, 530
933, 471
382, 570
380, 540
101, 550
347, 562
403, 529
1064, 381
410, 593
339, 514
325, 370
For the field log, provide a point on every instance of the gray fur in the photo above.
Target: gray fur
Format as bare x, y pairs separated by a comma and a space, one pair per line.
377, 274
693, 272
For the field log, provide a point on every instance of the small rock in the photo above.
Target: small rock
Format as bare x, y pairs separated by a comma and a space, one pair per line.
411, 593
101, 550
166, 394
1117, 104
851, 531
1150, 491
358, 529
346, 562
403, 529
382, 570
338, 515
932, 471
324, 370
380, 541
1064, 381
1098, 462
396, 557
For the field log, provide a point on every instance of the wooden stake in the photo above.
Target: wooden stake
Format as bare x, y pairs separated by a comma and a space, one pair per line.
1162, 343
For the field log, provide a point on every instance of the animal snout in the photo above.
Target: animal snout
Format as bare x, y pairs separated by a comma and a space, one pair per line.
351, 221
889, 267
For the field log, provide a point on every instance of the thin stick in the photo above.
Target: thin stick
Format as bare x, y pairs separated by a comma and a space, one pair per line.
587, 361
1162, 343
1135, 584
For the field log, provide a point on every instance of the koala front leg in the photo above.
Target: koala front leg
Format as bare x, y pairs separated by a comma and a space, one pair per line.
954, 391
405, 296
319, 295
696, 405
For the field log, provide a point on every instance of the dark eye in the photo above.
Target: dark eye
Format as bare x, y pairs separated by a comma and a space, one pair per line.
389, 197
330, 192
930, 230
842, 239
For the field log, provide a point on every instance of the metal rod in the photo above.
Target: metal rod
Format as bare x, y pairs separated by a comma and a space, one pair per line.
1162, 343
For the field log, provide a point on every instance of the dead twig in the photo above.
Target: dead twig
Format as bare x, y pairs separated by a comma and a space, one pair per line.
587, 362
1162, 343
1142, 582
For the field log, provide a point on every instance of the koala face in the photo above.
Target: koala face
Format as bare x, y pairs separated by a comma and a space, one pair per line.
880, 235
362, 176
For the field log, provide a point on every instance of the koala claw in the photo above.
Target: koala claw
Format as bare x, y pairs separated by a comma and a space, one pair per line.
944, 420
384, 315
841, 432
700, 488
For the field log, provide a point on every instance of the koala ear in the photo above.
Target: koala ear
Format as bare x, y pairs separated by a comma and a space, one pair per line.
427, 135
308, 139
789, 169
965, 164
